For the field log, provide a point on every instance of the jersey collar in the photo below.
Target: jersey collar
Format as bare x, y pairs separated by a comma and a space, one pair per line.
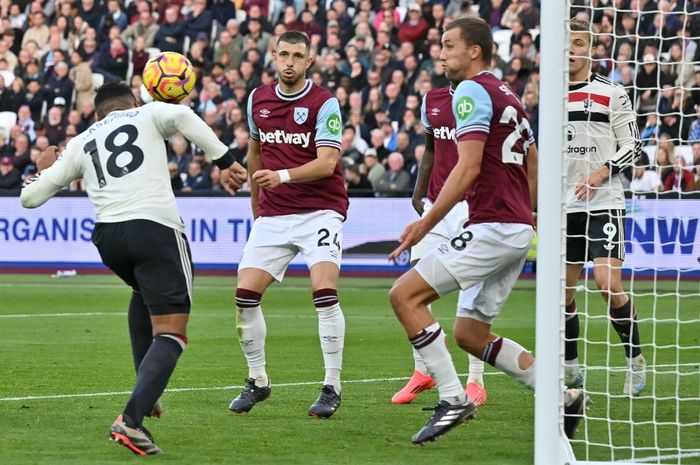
582, 84
289, 97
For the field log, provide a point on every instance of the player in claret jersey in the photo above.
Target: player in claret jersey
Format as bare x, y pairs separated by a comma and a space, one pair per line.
437, 163
498, 161
603, 139
299, 202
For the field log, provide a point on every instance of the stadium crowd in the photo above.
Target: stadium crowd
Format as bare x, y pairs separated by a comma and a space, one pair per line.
379, 57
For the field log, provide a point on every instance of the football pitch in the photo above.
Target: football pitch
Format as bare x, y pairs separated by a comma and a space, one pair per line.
66, 372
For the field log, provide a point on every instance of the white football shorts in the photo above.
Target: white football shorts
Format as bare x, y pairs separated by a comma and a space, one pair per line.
449, 227
275, 240
489, 253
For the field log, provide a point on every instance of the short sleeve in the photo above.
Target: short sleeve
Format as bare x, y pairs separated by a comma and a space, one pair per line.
473, 110
252, 128
424, 116
329, 125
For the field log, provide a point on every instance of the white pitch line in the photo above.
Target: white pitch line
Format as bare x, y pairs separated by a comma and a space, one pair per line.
194, 314
219, 388
659, 458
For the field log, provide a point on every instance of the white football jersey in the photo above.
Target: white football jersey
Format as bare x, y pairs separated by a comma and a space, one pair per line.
123, 161
602, 128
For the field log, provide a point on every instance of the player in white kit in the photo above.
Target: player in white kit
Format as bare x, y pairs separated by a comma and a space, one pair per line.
139, 233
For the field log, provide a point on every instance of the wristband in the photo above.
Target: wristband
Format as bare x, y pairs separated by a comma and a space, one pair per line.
284, 176
225, 161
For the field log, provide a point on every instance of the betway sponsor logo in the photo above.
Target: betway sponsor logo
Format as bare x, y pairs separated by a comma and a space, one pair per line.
279, 136
444, 133
578, 150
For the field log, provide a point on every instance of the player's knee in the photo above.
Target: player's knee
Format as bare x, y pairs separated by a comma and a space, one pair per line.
247, 299
469, 342
398, 296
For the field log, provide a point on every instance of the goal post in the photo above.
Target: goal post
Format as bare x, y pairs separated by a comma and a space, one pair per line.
551, 448
661, 271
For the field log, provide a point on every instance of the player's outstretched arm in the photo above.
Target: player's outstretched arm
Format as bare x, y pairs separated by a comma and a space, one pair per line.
55, 173
424, 170
322, 167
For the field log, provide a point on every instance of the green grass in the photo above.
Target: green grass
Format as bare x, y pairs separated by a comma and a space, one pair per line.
88, 354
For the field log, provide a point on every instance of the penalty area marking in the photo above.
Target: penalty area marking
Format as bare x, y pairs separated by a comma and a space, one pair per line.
216, 388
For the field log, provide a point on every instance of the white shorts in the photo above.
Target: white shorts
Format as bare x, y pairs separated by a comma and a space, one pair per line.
275, 240
449, 227
489, 253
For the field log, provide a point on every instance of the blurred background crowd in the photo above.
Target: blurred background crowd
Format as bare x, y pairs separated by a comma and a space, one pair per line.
379, 57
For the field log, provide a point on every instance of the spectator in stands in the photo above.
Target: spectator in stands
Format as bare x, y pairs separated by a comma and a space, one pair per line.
175, 179
171, 33
405, 148
349, 153
26, 123
529, 15
145, 27
647, 83
510, 14
21, 158
357, 183
388, 135
663, 161
180, 152
58, 84
8, 102
651, 130
197, 179
10, 177
227, 51
396, 181
239, 144
81, 75
375, 104
38, 31
198, 20
413, 170
394, 103
91, 12
694, 131
114, 15
679, 179
139, 55
7, 55
55, 124
645, 180
115, 62
414, 27
372, 168
34, 98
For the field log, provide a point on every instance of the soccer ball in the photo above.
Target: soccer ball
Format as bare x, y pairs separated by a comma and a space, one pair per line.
169, 77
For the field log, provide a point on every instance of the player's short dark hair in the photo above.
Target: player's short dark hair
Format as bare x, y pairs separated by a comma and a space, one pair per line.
113, 96
295, 37
475, 31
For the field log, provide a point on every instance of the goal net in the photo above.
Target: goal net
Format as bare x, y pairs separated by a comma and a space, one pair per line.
652, 49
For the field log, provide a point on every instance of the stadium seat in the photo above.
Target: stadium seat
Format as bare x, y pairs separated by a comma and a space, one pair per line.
502, 38
8, 76
7, 121
152, 51
97, 80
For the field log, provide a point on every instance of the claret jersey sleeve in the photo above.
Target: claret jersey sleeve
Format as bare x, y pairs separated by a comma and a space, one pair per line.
473, 110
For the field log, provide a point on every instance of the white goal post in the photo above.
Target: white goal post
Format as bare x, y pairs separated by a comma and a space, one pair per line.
662, 424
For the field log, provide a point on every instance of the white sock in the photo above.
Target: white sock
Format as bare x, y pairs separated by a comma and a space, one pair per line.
476, 370
252, 331
571, 366
430, 343
504, 354
418, 364
331, 331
